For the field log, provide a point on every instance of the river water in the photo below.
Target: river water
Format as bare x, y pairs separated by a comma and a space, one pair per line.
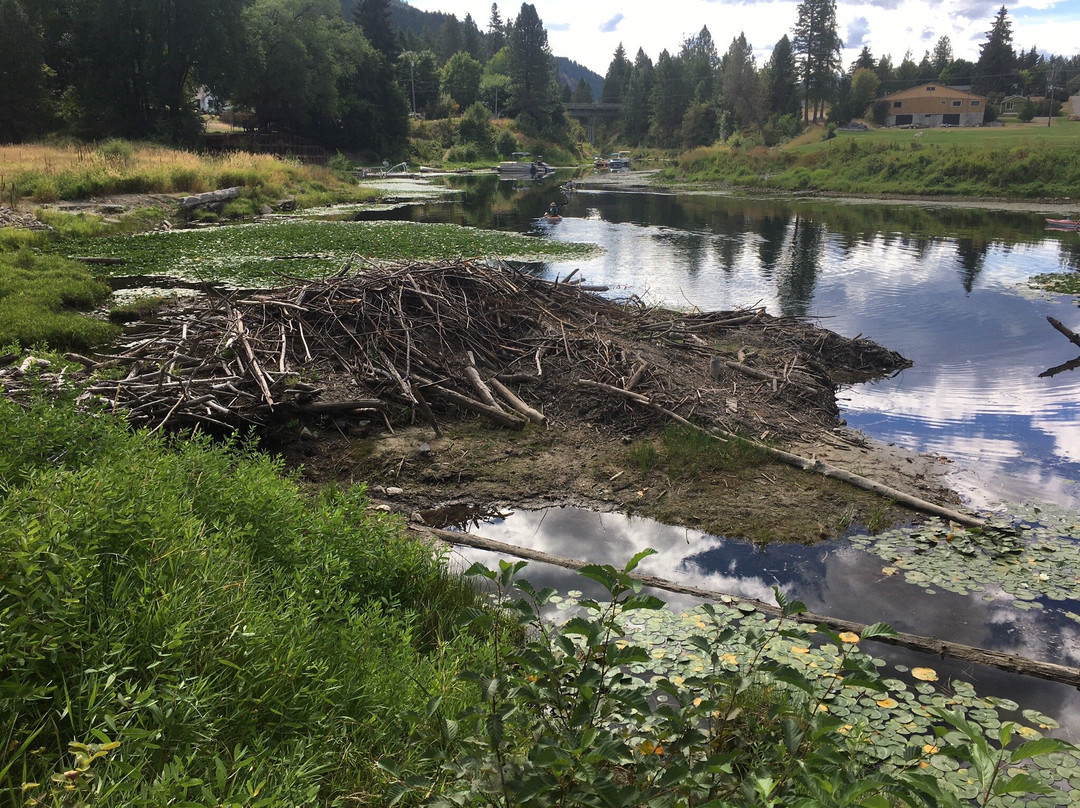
945, 287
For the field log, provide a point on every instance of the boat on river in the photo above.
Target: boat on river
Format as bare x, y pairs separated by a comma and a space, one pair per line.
524, 167
1063, 224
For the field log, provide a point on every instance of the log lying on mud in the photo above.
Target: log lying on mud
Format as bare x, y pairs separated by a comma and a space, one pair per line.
930, 645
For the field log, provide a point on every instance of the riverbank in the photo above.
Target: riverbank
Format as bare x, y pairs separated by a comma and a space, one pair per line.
658, 180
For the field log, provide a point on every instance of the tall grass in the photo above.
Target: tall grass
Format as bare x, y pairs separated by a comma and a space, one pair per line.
1028, 163
47, 173
241, 642
43, 300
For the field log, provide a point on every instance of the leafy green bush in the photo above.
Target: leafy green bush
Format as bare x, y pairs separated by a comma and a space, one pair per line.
571, 720
181, 624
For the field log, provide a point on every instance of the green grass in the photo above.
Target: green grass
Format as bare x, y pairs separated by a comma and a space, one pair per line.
691, 454
43, 300
1011, 161
263, 253
238, 641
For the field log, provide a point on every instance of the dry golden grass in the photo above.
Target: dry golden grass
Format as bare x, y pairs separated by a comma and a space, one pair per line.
46, 173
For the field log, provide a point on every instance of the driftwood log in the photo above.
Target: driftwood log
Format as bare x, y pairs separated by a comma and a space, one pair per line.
929, 645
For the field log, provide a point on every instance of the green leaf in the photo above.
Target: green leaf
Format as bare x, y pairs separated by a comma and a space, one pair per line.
1022, 783
1042, 746
631, 565
878, 630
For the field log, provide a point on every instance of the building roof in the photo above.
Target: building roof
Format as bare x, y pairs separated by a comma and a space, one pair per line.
932, 90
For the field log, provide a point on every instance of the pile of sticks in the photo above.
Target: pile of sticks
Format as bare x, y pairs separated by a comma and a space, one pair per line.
428, 336
430, 340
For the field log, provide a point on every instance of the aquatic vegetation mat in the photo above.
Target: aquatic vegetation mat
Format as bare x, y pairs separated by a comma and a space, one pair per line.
275, 253
1030, 560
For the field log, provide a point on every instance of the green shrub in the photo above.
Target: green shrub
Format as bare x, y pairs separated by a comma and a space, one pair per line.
202, 631
586, 714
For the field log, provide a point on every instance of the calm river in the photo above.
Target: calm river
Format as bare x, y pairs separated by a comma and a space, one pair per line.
944, 287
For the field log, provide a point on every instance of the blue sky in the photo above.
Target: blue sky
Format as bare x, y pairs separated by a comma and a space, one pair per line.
589, 32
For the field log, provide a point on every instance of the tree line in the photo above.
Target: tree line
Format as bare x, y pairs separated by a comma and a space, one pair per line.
348, 73
698, 96
342, 74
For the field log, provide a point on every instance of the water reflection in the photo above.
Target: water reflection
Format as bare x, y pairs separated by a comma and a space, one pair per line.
831, 578
940, 285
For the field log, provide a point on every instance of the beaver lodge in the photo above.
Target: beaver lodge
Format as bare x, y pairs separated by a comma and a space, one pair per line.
439, 342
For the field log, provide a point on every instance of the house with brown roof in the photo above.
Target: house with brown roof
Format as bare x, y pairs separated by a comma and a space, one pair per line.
934, 105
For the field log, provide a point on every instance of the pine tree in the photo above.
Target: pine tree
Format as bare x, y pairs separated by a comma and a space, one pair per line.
996, 68
864, 61
496, 32
943, 55
817, 48
702, 66
617, 77
373, 17
740, 85
783, 77
533, 90
669, 100
637, 101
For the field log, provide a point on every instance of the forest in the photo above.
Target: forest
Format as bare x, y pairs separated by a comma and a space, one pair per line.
349, 74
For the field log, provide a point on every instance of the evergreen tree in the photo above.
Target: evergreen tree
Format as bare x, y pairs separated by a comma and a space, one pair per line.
943, 54
926, 72
373, 17
702, 66
22, 63
637, 101
449, 40
740, 82
582, 93
471, 40
817, 47
783, 79
617, 77
996, 69
496, 32
864, 61
533, 90
907, 74
669, 100
134, 62
884, 72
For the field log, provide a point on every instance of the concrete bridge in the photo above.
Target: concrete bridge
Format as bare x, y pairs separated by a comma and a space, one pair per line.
589, 114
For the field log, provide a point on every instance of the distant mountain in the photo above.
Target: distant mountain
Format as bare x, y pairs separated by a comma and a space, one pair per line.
405, 18
418, 24
569, 72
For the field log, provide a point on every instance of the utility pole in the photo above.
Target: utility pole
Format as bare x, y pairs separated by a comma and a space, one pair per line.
1050, 82
412, 81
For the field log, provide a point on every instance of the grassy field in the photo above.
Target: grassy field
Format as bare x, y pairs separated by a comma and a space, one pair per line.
1023, 161
36, 173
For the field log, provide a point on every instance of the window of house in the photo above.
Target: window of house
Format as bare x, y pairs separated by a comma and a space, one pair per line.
942, 102
897, 104
957, 103
976, 103
930, 88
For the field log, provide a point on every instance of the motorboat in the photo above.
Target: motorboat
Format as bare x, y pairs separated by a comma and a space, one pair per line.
618, 161
524, 167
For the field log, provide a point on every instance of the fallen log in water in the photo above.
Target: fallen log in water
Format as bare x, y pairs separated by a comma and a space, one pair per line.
930, 645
